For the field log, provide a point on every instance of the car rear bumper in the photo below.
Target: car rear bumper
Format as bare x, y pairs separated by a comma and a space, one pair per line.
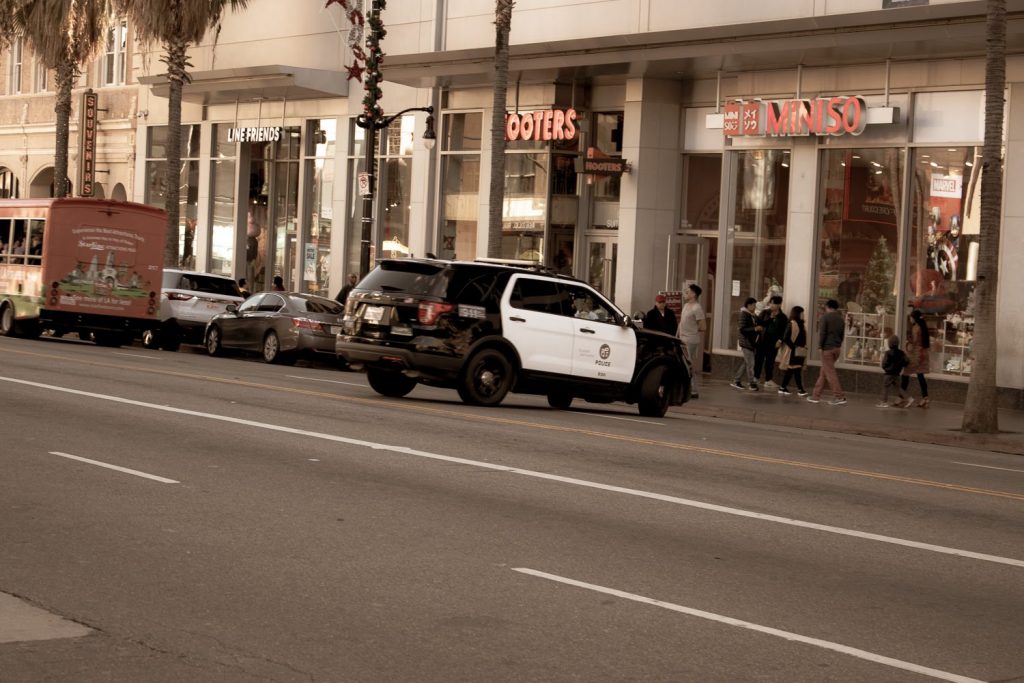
399, 357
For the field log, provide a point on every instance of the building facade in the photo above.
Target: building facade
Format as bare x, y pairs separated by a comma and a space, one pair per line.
815, 148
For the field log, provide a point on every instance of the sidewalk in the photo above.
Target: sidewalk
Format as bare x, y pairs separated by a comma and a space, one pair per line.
938, 424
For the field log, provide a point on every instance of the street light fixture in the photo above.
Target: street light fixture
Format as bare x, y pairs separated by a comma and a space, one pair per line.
372, 125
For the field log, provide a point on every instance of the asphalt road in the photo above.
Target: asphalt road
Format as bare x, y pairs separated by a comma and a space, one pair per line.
300, 527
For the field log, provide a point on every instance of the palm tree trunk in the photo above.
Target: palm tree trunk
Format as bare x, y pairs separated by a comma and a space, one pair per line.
65, 81
503, 26
980, 414
176, 76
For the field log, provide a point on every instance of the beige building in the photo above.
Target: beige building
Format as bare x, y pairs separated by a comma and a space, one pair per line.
821, 148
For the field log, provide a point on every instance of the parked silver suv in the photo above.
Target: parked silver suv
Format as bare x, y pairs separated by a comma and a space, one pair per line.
188, 301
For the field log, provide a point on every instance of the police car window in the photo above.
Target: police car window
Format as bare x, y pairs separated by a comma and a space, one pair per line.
541, 296
584, 304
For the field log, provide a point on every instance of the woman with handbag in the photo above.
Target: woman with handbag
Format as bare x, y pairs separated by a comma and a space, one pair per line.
793, 353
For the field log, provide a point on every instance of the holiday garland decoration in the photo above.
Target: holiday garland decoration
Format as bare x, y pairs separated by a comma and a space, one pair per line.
370, 59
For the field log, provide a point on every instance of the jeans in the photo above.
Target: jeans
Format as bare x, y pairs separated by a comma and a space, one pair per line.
893, 382
747, 368
696, 354
921, 382
764, 359
828, 373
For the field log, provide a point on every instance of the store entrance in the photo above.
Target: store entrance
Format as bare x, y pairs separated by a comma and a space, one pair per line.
689, 258
272, 208
602, 253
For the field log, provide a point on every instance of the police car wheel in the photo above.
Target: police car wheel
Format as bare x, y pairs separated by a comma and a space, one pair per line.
655, 392
559, 400
487, 378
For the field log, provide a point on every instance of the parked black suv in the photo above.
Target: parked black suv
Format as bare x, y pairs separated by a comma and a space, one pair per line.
487, 328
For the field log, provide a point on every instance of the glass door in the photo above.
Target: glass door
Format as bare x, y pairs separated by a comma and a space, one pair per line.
602, 259
689, 258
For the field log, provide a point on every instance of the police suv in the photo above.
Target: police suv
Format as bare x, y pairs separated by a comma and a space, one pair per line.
488, 328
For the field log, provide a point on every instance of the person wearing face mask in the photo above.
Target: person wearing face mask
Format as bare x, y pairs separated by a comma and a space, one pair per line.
661, 318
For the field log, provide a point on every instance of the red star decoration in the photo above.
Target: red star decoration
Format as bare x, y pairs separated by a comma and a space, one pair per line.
340, 2
355, 71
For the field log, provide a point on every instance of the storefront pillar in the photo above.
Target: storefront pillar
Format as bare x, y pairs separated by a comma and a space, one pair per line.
1009, 324
801, 245
649, 196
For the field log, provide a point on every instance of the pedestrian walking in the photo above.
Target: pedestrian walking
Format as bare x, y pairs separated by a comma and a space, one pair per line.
893, 363
692, 325
661, 318
278, 283
793, 353
243, 288
773, 323
748, 345
830, 342
918, 343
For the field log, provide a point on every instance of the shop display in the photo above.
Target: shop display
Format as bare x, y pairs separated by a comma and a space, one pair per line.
957, 342
866, 336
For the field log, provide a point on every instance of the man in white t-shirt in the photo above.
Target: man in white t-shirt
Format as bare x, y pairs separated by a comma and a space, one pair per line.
692, 324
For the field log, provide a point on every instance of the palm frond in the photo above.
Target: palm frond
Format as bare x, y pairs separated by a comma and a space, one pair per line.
177, 20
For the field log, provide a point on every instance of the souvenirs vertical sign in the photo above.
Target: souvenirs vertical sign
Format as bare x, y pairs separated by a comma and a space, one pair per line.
87, 143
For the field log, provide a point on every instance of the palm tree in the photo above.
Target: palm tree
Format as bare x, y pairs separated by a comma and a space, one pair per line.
980, 414
63, 34
503, 26
176, 24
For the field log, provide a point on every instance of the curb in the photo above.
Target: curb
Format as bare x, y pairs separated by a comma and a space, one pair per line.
985, 442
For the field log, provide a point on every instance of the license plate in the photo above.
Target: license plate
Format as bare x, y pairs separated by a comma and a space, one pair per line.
373, 314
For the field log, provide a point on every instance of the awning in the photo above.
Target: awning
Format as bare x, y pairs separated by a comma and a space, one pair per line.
272, 81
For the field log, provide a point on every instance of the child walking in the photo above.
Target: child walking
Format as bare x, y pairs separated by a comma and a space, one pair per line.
893, 363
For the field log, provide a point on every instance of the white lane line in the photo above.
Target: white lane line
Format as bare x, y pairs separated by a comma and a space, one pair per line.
144, 475
332, 381
787, 635
137, 355
987, 467
944, 550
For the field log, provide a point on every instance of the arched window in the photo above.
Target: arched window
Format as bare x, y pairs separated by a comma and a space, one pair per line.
8, 184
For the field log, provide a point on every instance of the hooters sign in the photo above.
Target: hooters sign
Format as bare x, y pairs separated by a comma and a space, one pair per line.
551, 124
791, 118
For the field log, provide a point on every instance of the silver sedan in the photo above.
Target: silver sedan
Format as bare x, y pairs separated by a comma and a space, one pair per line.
279, 325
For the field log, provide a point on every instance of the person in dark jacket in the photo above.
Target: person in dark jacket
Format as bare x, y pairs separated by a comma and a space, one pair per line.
661, 318
748, 344
794, 344
830, 341
893, 363
773, 323
343, 294
918, 343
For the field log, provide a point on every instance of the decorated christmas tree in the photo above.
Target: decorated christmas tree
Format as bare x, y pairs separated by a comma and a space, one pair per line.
878, 280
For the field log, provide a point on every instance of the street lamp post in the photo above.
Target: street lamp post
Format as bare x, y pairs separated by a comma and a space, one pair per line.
372, 125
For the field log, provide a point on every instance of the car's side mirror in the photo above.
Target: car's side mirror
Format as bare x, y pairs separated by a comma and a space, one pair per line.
231, 308
638, 319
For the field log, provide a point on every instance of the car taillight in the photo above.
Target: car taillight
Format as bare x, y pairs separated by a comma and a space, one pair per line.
307, 324
176, 296
430, 311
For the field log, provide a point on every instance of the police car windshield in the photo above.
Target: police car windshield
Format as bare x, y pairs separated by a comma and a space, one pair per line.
409, 277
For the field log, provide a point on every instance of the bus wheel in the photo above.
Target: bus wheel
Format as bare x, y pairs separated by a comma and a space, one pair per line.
6, 320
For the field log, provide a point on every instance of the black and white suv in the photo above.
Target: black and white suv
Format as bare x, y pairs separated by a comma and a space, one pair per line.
488, 328
188, 300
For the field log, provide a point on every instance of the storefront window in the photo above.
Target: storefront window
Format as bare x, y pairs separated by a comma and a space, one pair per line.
944, 246
356, 165
156, 186
460, 178
222, 204
394, 191
859, 240
758, 228
321, 138
524, 215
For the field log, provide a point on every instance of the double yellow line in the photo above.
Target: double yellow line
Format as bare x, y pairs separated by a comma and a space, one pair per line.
494, 419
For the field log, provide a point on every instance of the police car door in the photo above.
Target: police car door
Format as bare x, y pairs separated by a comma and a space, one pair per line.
603, 348
532, 320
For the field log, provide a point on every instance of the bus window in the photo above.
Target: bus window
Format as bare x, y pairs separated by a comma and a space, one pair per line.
35, 242
18, 237
5, 238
